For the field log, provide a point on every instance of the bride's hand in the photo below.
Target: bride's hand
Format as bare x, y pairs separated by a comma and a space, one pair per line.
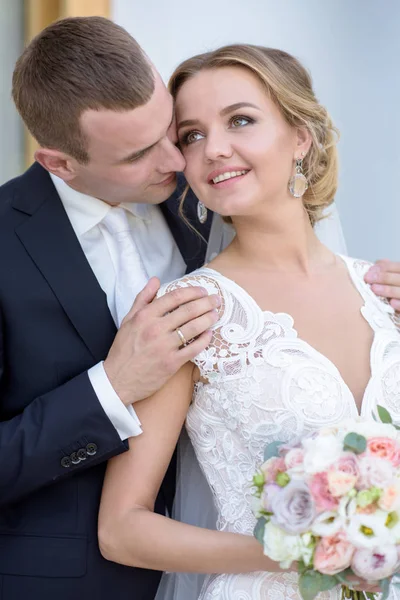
362, 585
384, 277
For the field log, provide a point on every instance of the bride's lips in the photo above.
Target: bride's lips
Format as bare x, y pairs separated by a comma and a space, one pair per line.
229, 181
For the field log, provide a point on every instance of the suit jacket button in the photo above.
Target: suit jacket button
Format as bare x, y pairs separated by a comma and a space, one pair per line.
75, 458
66, 462
91, 449
82, 454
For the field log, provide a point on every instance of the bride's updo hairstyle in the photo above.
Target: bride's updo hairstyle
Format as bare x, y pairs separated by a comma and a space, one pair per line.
289, 86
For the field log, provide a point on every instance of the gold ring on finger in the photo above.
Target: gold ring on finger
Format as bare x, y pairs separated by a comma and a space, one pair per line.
181, 337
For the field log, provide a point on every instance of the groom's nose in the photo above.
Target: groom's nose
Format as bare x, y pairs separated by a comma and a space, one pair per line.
172, 158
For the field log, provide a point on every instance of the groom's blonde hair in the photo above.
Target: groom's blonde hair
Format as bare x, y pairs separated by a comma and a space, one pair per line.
78, 64
289, 85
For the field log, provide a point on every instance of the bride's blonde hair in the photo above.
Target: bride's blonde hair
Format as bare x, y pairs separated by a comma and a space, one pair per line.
289, 85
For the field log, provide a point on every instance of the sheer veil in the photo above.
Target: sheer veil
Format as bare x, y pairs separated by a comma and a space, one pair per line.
193, 500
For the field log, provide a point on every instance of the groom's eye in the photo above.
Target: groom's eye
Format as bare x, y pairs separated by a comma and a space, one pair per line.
137, 157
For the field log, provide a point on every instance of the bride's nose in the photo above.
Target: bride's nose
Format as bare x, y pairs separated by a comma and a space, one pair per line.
217, 145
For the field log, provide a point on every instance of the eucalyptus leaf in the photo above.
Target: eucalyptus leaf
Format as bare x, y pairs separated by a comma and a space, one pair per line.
259, 530
272, 450
384, 414
301, 567
312, 582
385, 587
355, 442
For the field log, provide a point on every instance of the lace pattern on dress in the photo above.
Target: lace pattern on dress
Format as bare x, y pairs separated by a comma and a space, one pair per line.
266, 384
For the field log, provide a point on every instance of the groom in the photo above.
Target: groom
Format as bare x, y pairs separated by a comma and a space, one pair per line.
80, 233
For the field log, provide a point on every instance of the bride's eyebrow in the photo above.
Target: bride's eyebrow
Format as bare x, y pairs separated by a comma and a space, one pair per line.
225, 111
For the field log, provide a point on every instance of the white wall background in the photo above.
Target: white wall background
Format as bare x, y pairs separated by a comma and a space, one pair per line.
11, 44
351, 47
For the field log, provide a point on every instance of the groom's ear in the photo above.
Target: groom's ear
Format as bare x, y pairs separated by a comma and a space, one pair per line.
56, 162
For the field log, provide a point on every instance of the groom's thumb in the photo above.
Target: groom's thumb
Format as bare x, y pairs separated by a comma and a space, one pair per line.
145, 297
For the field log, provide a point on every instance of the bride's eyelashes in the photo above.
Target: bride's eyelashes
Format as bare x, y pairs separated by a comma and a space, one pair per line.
235, 122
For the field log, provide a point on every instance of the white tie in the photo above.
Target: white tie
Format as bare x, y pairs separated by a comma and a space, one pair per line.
131, 276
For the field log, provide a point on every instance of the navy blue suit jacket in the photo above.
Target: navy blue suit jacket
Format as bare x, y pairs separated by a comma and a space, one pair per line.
54, 435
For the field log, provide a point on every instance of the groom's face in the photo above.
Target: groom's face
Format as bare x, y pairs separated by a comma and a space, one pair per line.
133, 157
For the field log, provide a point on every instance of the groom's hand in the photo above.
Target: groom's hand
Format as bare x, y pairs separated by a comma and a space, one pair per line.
384, 277
148, 349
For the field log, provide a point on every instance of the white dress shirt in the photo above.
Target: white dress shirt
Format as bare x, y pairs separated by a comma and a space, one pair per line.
160, 256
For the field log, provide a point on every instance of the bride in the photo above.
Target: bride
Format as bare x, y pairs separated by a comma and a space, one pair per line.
301, 341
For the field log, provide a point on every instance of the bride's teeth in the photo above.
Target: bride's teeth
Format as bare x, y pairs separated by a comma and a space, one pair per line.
228, 175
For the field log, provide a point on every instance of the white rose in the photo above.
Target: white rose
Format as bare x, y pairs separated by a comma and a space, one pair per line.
281, 546
321, 452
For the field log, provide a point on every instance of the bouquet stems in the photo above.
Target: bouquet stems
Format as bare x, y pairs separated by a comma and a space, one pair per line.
349, 594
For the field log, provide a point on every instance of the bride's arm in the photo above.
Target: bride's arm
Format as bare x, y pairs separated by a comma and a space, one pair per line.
131, 533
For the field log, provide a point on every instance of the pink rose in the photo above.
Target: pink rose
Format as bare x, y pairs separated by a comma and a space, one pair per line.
294, 459
272, 467
321, 493
348, 463
383, 447
333, 554
375, 472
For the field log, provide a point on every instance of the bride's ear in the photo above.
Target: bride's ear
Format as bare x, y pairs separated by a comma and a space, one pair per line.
303, 141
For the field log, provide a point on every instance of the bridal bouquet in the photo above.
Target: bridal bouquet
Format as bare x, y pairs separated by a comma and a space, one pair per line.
331, 502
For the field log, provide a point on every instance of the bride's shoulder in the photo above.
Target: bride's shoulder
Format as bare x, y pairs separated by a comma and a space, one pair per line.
202, 277
358, 266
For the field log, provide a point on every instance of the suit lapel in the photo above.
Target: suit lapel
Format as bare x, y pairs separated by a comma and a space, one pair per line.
50, 240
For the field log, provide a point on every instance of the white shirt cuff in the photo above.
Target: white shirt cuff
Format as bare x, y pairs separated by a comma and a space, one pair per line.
122, 417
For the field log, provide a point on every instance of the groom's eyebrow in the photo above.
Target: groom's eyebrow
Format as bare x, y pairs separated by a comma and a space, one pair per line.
138, 153
225, 111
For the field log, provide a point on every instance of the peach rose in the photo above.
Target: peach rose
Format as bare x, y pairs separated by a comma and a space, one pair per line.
390, 498
340, 483
321, 493
383, 447
333, 554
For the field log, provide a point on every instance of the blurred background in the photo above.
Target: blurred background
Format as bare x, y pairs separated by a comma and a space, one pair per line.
351, 48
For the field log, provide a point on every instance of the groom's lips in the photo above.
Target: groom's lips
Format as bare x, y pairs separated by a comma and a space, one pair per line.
167, 181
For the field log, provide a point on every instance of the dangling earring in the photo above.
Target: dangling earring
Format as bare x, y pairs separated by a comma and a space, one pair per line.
202, 212
298, 183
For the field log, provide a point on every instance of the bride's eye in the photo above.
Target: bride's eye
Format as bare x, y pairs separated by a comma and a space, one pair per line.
240, 121
190, 137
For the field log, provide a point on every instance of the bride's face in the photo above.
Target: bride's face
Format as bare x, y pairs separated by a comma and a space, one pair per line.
227, 124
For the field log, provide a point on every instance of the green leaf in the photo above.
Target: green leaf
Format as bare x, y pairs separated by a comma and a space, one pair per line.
301, 567
370, 595
259, 530
385, 587
384, 414
312, 582
354, 443
272, 450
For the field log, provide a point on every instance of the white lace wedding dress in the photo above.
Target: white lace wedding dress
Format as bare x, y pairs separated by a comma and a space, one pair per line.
266, 384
